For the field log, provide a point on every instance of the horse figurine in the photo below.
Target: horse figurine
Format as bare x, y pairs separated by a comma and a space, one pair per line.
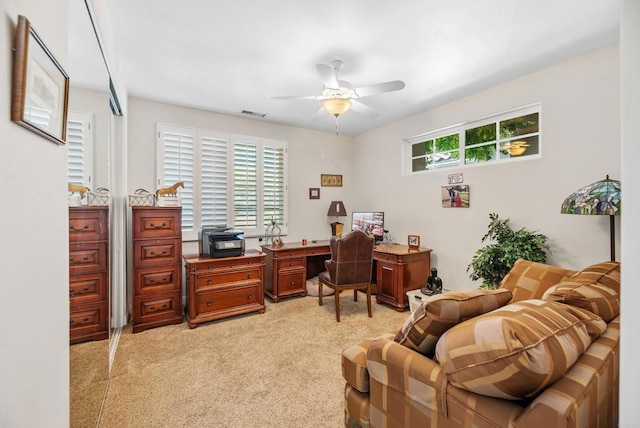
78, 188
169, 191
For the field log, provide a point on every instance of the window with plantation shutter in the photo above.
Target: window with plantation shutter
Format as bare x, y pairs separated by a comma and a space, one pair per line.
230, 180
79, 148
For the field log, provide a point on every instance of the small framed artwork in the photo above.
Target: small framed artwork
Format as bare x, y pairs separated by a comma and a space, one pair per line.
40, 90
314, 193
454, 178
455, 196
414, 242
331, 180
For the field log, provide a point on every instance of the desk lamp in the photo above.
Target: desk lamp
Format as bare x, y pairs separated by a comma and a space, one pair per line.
600, 198
336, 209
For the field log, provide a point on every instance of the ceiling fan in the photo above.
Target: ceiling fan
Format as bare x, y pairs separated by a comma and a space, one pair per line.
338, 96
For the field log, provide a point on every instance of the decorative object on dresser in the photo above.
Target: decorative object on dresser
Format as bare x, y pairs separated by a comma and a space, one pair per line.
603, 197
142, 198
157, 274
168, 196
88, 273
224, 287
336, 209
414, 242
98, 198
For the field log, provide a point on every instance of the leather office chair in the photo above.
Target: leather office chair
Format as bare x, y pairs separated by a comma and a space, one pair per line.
349, 267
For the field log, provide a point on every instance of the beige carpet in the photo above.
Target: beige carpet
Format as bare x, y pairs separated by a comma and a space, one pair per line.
88, 375
277, 369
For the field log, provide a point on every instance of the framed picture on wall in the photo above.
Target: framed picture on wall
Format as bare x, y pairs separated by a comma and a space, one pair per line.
40, 89
331, 180
314, 193
455, 196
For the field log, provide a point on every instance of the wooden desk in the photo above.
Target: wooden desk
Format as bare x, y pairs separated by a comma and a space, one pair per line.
396, 270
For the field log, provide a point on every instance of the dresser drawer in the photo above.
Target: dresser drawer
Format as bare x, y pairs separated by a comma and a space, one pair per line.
88, 224
156, 222
291, 281
87, 319
228, 277
230, 298
392, 258
294, 252
87, 288
157, 280
157, 308
87, 257
297, 263
157, 252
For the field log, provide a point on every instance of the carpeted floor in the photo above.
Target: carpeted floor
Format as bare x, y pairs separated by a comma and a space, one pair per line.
277, 369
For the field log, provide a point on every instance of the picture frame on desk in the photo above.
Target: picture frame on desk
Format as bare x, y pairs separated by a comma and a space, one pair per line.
414, 242
40, 87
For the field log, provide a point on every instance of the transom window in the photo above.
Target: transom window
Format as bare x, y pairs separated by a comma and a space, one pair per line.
509, 135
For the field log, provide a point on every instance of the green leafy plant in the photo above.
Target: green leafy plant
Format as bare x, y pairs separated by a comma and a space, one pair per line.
492, 262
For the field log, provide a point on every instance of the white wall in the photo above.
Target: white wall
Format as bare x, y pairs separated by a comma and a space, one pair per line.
311, 153
580, 145
34, 339
630, 325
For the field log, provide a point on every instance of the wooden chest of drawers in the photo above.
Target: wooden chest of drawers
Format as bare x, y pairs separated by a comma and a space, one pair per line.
224, 287
157, 273
88, 273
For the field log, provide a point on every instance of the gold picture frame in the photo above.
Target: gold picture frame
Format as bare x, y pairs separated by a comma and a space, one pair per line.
413, 241
331, 180
40, 89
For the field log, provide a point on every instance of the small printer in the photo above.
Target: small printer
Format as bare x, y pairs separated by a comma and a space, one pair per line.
220, 242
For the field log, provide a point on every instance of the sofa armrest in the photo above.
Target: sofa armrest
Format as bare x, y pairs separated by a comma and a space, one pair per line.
354, 363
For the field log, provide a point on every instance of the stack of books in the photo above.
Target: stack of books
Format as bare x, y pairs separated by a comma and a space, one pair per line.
169, 201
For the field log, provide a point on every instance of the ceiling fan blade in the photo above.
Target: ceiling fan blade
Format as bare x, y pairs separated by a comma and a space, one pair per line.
328, 76
301, 97
379, 88
363, 109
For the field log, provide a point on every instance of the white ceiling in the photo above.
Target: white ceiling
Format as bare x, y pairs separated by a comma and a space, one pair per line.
229, 56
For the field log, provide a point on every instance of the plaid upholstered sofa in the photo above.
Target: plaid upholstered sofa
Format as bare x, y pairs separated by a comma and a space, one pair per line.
540, 351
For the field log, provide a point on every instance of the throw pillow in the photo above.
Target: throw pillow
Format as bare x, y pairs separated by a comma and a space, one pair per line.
605, 273
439, 313
600, 300
518, 350
529, 280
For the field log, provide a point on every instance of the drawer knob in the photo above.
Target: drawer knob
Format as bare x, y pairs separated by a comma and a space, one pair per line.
293, 282
152, 308
85, 289
164, 251
249, 296
85, 258
249, 275
209, 281
209, 303
153, 281
85, 319
290, 264
291, 253
164, 278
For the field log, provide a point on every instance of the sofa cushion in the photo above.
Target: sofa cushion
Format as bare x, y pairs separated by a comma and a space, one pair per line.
439, 313
606, 274
599, 299
354, 364
516, 351
529, 280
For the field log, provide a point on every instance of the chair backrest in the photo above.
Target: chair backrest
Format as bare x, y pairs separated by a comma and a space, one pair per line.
351, 258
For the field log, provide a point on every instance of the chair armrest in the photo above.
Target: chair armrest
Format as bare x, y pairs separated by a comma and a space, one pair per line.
331, 268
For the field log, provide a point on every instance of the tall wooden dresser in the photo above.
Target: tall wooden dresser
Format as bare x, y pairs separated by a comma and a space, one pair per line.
157, 269
88, 273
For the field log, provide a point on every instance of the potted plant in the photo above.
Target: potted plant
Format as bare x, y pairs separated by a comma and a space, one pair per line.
492, 262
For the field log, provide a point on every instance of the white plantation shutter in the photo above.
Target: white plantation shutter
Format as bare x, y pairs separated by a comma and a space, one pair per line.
273, 185
214, 191
230, 180
245, 185
79, 148
178, 155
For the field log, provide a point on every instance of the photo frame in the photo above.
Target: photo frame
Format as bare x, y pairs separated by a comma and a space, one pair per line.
40, 88
314, 193
456, 196
455, 178
331, 180
414, 242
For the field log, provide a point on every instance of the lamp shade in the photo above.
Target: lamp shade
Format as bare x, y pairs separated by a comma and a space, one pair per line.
336, 209
599, 198
336, 106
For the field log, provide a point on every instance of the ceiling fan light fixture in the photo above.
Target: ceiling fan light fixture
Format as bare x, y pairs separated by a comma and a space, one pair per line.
515, 148
336, 106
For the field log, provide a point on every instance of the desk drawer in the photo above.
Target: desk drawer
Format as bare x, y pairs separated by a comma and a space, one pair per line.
87, 319
87, 288
317, 250
157, 279
392, 258
298, 263
294, 252
166, 306
294, 281
231, 298
157, 223
218, 279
